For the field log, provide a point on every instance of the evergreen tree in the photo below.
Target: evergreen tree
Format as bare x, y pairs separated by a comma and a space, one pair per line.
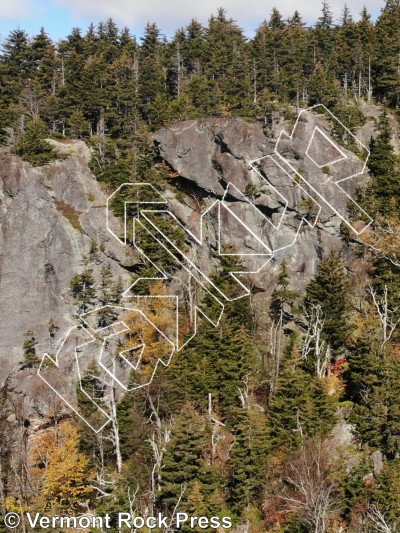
135, 433
387, 493
31, 145
249, 458
276, 20
83, 289
345, 17
384, 166
218, 360
325, 42
185, 455
323, 87
29, 347
152, 81
326, 19
373, 386
109, 294
283, 298
193, 47
94, 387
16, 55
42, 57
226, 63
300, 408
329, 290
296, 21
385, 64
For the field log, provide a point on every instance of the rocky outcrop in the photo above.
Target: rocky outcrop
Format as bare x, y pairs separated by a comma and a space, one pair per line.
49, 219
208, 155
213, 152
52, 217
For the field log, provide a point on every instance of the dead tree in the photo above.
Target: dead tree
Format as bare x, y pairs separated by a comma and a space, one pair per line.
387, 316
309, 488
314, 342
378, 521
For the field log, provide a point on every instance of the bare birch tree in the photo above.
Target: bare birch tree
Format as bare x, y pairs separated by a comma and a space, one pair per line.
378, 521
309, 487
387, 317
314, 343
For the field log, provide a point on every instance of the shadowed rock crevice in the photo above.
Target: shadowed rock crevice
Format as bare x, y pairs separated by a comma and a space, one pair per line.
52, 216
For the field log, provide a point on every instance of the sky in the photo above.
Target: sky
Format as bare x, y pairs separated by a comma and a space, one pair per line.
59, 16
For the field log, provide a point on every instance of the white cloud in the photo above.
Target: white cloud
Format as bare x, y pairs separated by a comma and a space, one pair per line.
14, 9
170, 15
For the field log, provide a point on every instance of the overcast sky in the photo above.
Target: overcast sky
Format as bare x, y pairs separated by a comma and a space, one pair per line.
59, 16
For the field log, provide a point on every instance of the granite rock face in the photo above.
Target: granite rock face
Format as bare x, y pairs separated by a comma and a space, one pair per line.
299, 219
213, 152
51, 217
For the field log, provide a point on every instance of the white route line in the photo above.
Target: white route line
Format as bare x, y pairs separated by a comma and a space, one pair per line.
93, 334
195, 274
344, 156
302, 178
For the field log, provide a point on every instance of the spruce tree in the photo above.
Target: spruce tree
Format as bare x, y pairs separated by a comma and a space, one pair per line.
385, 64
384, 166
299, 409
16, 55
387, 493
373, 385
329, 290
83, 289
249, 458
29, 347
184, 457
152, 80
32, 146
296, 21
276, 20
218, 360
94, 387
324, 37
193, 47
42, 56
135, 433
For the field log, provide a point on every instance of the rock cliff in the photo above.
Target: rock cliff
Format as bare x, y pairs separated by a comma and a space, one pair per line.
49, 219
53, 217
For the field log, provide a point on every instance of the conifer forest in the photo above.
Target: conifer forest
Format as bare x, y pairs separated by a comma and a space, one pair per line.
281, 410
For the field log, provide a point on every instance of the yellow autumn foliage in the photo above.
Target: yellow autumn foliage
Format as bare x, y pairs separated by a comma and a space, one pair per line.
68, 478
160, 311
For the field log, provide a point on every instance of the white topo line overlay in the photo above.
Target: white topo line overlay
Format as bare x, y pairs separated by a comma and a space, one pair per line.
158, 204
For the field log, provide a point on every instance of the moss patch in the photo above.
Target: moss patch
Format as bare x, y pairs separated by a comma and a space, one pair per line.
70, 213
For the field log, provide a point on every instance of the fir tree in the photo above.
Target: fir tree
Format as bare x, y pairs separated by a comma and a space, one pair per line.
383, 164
249, 458
329, 290
184, 457
29, 347
31, 145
